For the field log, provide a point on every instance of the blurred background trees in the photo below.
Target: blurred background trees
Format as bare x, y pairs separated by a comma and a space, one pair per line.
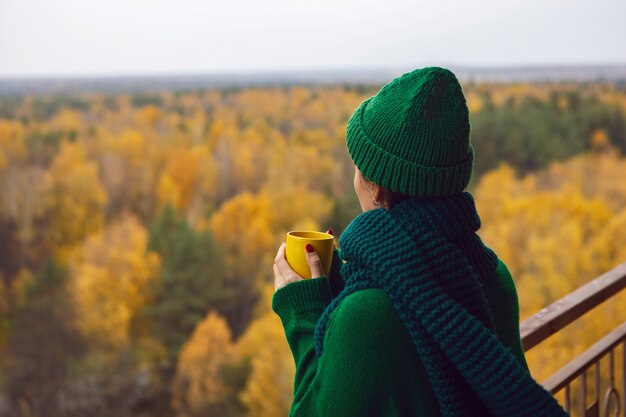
138, 232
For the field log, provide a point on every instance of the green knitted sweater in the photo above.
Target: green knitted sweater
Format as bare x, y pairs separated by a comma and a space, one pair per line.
369, 366
425, 256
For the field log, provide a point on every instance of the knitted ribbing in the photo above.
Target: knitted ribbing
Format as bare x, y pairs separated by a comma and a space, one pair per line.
412, 137
425, 255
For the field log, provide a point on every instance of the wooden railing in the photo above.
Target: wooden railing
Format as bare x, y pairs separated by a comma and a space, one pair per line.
563, 312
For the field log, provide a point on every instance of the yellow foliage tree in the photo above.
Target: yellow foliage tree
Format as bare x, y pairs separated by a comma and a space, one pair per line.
198, 387
168, 191
149, 115
600, 141
23, 200
66, 120
269, 388
130, 145
182, 167
128, 164
12, 145
556, 230
474, 101
189, 176
75, 197
110, 273
302, 161
298, 206
241, 156
243, 226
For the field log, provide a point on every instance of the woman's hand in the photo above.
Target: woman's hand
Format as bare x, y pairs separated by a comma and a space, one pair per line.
283, 274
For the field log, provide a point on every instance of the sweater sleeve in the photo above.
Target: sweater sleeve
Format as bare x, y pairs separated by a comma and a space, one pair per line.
299, 306
352, 376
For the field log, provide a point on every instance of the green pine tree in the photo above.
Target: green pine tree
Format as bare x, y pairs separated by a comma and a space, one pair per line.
193, 280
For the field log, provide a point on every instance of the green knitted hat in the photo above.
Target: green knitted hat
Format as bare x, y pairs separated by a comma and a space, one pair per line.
412, 137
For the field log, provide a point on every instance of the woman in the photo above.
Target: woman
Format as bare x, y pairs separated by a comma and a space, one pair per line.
418, 317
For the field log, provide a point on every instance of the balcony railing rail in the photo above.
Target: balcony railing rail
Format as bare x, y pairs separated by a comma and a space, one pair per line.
563, 312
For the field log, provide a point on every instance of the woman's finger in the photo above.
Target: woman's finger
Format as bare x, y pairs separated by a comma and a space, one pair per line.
277, 274
283, 267
315, 263
281, 261
331, 232
279, 280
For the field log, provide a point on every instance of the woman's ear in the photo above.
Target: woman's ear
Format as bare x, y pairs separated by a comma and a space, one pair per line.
377, 193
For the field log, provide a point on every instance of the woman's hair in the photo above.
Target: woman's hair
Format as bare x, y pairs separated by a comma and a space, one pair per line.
387, 199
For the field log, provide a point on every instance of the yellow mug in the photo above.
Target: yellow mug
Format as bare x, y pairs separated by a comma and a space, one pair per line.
296, 253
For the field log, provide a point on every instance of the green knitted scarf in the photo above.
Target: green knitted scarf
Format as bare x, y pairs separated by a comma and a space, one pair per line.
425, 254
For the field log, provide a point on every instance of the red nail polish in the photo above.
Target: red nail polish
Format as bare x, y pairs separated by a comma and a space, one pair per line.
309, 247
330, 232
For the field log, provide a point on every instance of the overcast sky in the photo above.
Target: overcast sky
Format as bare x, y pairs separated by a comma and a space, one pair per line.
119, 37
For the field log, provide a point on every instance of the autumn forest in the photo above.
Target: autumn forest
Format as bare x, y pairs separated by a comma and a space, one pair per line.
138, 231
